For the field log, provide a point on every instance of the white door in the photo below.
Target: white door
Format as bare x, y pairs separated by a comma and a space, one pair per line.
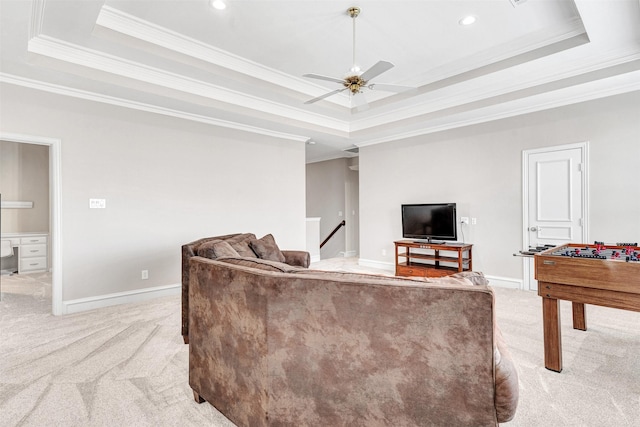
555, 180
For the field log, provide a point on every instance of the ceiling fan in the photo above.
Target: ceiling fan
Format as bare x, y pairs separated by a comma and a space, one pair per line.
355, 80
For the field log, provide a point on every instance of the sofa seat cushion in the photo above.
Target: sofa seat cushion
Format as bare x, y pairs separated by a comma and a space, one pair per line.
396, 280
215, 249
261, 264
266, 248
241, 244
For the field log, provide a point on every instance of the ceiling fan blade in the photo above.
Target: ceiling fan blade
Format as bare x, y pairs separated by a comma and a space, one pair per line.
326, 95
360, 102
319, 77
391, 88
377, 69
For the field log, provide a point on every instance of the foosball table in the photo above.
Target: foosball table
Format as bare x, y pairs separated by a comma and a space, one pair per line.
599, 274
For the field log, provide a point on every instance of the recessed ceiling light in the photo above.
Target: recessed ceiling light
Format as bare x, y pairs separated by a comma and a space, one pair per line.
218, 4
467, 20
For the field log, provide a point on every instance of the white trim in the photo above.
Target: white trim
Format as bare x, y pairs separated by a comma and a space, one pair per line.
137, 295
603, 88
132, 26
504, 282
314, 258
55, 193
349, 254
96, 60
134, 105
389, 266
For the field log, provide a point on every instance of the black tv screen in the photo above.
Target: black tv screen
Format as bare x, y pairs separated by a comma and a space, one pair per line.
429, 221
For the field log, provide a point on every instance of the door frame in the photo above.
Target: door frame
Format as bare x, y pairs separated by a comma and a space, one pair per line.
55, 217
527, 264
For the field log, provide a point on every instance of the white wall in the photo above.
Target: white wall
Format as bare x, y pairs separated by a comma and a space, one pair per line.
479, 168
166, 182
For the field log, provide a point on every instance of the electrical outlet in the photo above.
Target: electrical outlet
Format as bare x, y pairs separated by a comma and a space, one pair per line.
474, 221
384, 252
145, 274
464, 220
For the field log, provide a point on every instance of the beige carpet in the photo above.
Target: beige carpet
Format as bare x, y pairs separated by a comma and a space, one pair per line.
126, 365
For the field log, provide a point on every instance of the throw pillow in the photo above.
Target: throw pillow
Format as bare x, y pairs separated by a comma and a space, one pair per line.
266, 248
475, 277
241, 244
216, 249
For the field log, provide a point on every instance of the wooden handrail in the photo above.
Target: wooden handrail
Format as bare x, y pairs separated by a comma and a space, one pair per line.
335, 230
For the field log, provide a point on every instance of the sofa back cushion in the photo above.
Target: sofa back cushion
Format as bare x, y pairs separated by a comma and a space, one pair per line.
216, 249
241, 244
266, 248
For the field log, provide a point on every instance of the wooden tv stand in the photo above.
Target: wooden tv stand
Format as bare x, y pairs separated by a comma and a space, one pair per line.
426, 260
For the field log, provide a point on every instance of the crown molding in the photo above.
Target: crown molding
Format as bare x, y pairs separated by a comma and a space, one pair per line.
79, 55
546, 38
497, 85
140, 29
120, 102
617, 85
37, 18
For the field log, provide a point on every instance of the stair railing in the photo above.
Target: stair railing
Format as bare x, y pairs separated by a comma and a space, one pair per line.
335, 230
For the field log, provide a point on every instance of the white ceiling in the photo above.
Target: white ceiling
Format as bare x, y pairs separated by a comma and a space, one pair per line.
242, 67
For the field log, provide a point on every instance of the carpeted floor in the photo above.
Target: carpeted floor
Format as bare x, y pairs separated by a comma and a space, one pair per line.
126, 365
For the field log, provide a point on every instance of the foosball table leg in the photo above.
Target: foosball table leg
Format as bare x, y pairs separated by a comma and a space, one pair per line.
552, 337
579, 316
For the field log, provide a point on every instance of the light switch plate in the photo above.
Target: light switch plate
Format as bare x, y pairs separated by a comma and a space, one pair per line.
97, 203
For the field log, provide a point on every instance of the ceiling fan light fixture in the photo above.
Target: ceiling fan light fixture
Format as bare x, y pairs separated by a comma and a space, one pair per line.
218, 4
467, 20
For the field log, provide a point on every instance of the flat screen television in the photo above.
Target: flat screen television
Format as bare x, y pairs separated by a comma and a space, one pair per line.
429, 221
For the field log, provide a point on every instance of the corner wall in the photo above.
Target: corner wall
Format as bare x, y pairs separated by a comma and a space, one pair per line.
166, 182
332, 188
480, 168
24, 175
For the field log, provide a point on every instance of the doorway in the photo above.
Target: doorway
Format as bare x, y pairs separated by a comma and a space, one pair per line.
54, 210
555, 199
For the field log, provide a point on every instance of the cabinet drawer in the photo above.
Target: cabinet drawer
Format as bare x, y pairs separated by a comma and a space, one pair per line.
31, 251
32, 240
410, 271
33, 264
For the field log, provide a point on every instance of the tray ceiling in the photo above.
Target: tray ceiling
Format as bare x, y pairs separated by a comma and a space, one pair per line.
241, 67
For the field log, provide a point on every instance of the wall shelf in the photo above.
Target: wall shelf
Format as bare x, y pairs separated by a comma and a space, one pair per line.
16, 204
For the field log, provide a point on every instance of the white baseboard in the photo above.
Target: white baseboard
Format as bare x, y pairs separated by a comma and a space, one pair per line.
315, 258
389, 266
100, 301
348, 254
504, 282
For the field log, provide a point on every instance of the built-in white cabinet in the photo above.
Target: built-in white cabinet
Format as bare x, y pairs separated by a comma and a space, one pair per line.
31, 249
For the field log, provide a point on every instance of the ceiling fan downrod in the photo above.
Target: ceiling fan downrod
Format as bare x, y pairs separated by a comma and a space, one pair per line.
354, 82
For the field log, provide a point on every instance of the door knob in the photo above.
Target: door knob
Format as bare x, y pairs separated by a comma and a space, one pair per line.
534, 228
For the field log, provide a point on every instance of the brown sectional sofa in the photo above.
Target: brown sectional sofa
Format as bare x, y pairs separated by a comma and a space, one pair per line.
274, 344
